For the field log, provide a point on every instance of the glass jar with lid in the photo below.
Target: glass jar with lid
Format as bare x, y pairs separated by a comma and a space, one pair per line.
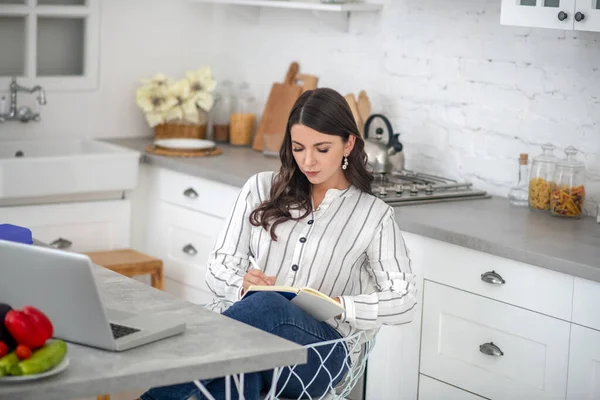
221, 111
568, 192
243, 118
540, 178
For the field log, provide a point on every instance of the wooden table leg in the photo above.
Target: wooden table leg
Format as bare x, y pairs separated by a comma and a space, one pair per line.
156, 279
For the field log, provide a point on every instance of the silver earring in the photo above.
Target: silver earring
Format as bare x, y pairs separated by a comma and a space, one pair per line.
345, 166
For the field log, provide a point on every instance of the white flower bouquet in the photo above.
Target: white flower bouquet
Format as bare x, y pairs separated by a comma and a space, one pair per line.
177, 108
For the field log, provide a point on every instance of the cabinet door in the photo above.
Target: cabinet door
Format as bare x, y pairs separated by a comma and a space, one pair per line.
432, 389
587, 15
584, 364
493, 349
586, 297
184, 239
89, 226
557, 14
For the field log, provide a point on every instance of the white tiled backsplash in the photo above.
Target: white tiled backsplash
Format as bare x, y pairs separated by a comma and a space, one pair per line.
466, 94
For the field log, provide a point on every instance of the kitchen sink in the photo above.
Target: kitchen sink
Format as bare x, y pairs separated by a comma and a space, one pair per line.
57, 167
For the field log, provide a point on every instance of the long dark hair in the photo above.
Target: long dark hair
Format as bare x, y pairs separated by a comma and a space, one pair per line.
325, 111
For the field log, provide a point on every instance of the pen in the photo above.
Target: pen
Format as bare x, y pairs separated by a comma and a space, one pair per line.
254, 264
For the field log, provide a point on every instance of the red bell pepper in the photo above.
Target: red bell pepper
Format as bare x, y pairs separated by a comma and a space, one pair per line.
29, 327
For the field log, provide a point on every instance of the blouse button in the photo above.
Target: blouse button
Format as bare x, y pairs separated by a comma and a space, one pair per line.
294, 268
310, 222
302, 240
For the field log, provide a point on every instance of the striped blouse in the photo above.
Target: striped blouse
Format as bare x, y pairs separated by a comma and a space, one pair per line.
350, 246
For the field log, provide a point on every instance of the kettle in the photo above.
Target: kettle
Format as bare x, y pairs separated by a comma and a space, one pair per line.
383, 157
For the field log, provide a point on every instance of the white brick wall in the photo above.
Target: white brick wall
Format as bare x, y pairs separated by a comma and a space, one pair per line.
467, 94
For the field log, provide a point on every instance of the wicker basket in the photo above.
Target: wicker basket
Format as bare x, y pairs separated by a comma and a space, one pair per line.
181, 130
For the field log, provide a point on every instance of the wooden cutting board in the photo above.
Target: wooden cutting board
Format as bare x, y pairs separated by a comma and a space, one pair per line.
351, 99
309, 82
278, 107
364, 106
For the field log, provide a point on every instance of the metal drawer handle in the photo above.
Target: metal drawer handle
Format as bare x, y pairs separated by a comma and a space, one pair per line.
61, 243
191, 193
492, 277
190, 250
491, 349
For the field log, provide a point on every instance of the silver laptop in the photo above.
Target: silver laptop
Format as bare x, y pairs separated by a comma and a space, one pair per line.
62, 285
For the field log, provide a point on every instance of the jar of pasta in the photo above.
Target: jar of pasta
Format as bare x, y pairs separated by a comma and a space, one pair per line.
540, 178
568, 193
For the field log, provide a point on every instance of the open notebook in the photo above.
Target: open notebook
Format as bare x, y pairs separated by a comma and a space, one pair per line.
318, 305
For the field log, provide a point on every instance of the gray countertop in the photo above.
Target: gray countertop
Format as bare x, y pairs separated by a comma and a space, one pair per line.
198, 353
491, 226
233, 167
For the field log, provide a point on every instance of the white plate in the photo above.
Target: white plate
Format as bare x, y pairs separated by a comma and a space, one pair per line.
56, 370
185, 144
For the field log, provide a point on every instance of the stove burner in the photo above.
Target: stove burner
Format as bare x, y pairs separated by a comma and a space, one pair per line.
407, 187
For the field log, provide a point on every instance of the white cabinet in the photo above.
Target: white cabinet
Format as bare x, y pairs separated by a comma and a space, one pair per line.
182, 220
195, 193
584, 364
55, 44
87, 226
183, 239
499, 278
432, 389
492, 349
583, 15
586, 298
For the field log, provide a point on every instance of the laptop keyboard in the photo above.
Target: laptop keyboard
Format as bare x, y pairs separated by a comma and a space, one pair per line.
119, 331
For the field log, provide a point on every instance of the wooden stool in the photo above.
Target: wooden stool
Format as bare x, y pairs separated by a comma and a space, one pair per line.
130, 263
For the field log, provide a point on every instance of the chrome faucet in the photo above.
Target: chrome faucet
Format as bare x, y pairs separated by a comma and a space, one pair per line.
23, 114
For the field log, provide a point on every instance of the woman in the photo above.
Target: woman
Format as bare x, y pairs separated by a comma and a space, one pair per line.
316, 223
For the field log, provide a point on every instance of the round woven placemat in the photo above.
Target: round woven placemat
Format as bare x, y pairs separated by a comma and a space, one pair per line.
161, 151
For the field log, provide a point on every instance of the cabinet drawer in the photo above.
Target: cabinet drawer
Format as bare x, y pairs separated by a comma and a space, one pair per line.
586, 298
432, 389
525, 285
79, 227
584, 364
184, 239
460, 329
196, 193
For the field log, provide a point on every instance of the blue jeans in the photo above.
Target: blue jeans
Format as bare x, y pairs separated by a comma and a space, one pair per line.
275, 314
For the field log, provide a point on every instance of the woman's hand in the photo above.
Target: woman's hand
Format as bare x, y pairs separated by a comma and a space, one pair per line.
256, 277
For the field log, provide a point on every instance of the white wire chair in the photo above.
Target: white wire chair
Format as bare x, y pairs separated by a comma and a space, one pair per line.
356, 349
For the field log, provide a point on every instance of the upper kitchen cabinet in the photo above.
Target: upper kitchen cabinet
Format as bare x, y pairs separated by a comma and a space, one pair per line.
581, 15
52, 43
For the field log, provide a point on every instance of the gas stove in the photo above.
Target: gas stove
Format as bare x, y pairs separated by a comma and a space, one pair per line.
408, 187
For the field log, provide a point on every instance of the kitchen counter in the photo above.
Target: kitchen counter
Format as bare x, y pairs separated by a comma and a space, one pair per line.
233, 167
198, 353
490, 225
493, 226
